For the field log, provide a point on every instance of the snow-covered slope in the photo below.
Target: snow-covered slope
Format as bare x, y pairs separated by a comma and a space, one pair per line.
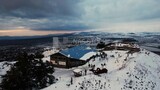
139, 71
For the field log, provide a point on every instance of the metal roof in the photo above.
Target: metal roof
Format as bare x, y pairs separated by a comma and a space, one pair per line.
76, 52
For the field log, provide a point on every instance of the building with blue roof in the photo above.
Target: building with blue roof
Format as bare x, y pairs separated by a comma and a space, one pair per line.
77, 52
71, 57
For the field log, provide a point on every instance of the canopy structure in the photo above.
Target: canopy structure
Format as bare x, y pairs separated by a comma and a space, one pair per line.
78, 72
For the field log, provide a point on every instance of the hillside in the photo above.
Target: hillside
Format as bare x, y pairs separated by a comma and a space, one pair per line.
29, 40
137, 71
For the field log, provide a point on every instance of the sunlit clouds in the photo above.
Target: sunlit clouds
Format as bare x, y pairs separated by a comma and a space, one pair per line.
30, 32
61, 16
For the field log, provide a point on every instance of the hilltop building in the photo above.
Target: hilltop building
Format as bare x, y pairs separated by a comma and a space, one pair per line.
71, 57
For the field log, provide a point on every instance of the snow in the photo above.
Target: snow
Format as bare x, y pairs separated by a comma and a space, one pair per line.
88, 47
47, 58
77, 70
88, 55
48, 53
137, 71
4, 67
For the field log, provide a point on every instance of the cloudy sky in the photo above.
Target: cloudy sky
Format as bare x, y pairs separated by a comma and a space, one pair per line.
38, 17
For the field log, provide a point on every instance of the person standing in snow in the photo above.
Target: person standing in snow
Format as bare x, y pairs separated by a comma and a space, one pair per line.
85, 72
71, 80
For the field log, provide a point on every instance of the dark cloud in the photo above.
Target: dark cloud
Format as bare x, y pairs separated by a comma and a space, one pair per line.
74, 14
39, 8
59, 14
71, 27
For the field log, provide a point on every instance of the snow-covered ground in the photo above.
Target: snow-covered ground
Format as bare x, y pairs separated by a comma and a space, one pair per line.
4, 67
88, 55
137, 71
48, 53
